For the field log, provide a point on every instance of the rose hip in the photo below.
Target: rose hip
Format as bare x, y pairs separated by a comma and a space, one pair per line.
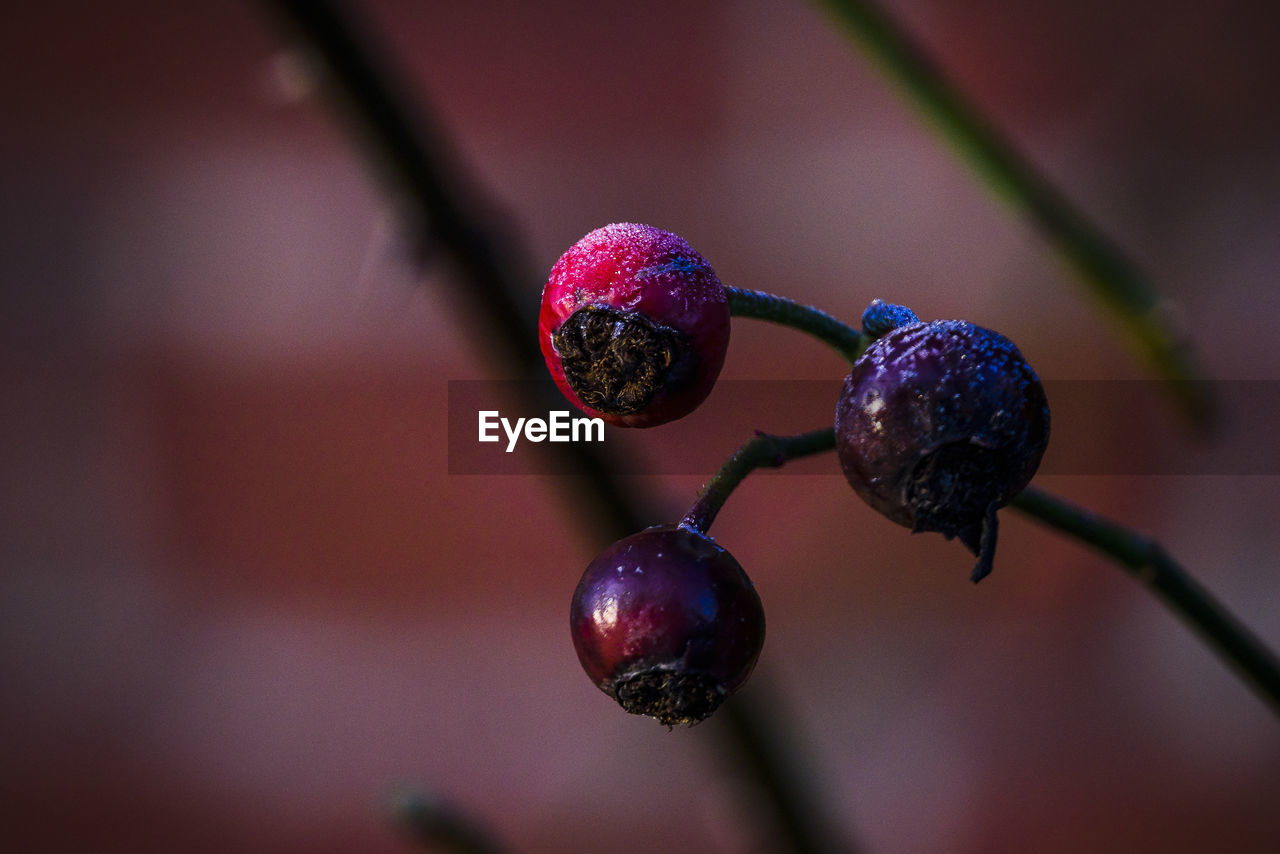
634, 325
939, 425
667, 623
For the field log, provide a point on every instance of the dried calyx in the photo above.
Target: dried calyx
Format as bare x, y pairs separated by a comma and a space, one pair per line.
617, 361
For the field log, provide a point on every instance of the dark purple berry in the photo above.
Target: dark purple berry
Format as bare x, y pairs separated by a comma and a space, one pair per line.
634, 325
667, 623
939, 425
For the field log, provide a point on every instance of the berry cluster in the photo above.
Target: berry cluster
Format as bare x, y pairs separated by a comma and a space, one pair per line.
938, 425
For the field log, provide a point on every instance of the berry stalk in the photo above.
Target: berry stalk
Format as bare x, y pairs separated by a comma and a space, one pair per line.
1147, 561
760, 451
846, 340
1144, 558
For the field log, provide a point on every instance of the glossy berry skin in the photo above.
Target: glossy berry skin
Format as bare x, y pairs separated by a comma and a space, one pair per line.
634, 325
940, 424
667, 623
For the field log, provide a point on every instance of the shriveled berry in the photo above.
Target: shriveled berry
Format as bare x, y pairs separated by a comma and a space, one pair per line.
939, 425
667, 623
634, 325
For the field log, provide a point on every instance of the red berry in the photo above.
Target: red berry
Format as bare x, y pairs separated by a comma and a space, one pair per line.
634, 325
939, 425
667, 623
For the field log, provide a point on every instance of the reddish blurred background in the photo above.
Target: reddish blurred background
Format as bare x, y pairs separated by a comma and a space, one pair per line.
241, 596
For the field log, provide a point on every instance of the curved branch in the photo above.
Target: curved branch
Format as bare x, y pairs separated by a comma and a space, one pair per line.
760, 451
846, 340
1148, 562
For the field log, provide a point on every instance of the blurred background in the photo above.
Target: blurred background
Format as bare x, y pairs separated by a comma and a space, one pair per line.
241, 595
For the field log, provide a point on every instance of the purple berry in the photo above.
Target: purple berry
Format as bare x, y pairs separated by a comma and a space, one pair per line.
667, 623
939, 425
634, 325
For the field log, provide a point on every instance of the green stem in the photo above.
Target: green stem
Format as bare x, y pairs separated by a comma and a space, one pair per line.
846, 340
1145, 559
1099, 262
1148, 562
760, 451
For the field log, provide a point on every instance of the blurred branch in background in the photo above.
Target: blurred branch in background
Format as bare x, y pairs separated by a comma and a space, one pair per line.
445, 216
1099, 262
437, 826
